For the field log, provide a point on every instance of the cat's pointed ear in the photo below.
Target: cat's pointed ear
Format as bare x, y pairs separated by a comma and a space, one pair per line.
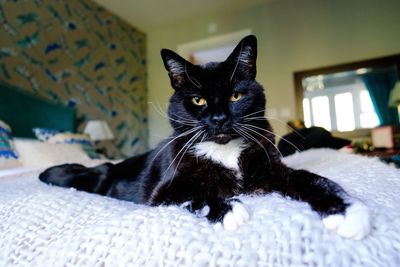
243, 59
176, 67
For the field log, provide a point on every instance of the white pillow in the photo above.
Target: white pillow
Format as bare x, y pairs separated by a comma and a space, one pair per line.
33, 153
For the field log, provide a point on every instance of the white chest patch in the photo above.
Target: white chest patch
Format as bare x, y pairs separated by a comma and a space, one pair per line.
227, 154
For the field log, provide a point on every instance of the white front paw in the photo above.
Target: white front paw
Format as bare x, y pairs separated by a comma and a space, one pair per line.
354, 224
238, 216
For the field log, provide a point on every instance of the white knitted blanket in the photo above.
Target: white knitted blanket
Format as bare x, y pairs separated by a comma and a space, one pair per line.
41, 225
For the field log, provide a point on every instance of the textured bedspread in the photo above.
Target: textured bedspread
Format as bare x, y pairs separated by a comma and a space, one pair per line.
41, 225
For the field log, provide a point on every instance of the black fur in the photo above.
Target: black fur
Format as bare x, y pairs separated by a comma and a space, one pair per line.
172, 174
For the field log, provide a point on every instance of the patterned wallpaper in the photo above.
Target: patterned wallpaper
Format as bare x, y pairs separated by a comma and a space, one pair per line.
76, 53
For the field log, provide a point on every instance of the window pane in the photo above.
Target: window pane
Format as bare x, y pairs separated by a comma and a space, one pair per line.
366, 103
369, 120
307, 113
320, 107
344, 112
368, 117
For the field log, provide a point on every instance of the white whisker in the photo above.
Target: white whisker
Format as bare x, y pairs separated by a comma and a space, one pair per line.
272, 143
175, 138
263, 110
176, 117
275, 135
237, 131
187, 144
183, 121
204, 137
273, 118
183, 154
243, 133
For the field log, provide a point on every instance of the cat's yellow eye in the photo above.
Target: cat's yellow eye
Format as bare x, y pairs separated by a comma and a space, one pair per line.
236, 96
199, 101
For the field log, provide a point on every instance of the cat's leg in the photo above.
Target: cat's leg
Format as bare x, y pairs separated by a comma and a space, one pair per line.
230, 212
347, 216
100, 179
93, 180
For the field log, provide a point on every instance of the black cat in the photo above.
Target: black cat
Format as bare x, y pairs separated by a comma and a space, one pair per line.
222, 146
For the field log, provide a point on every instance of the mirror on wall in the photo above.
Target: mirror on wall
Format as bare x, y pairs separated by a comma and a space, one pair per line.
350, 96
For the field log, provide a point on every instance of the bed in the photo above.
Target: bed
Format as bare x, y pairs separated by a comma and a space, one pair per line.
42, 225
20, 114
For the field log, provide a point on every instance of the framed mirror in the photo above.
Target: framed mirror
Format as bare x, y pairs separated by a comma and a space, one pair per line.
348, 97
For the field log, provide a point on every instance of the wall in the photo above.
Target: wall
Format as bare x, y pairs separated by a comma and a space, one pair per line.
76, 53
293, 35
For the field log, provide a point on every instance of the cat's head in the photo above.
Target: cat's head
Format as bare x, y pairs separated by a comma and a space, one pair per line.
217, 97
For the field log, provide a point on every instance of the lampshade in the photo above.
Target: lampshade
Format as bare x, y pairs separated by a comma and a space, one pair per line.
98, 130
394, 99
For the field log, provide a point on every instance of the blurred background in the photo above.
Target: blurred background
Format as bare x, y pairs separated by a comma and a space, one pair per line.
317, 59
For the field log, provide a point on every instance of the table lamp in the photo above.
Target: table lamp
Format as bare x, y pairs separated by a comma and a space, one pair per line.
98, 130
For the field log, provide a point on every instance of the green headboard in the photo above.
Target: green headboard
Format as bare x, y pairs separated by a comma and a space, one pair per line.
24, 111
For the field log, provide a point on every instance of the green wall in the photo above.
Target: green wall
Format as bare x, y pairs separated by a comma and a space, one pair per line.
293, 35
76, 53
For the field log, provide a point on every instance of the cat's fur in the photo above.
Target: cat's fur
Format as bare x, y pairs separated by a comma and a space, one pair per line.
217, 151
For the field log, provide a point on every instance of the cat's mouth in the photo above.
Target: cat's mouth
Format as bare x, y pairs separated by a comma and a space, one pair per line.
221, 138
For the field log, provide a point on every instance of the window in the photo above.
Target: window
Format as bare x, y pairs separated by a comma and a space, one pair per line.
320, 112
368, 117
307, 112
344, 109
350, 105
342, 105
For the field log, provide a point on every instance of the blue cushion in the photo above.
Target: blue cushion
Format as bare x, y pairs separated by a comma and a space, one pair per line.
8, 156
43, 134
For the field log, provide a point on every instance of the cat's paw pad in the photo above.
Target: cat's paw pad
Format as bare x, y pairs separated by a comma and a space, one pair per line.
238, 216
354, 224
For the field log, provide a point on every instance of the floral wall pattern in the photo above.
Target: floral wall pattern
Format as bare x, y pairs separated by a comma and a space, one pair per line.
76, 53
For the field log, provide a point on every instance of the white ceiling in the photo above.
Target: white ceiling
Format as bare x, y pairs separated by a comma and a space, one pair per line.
146, 14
